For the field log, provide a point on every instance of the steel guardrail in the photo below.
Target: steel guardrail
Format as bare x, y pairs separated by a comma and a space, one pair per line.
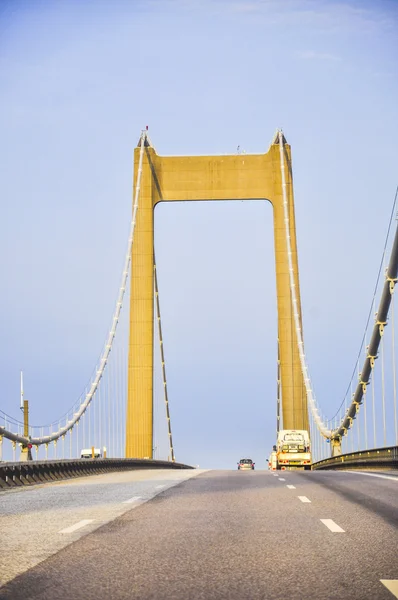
378, 458
14, 474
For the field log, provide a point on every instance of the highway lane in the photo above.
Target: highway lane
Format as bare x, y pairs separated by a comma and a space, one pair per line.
232, 535
31, 518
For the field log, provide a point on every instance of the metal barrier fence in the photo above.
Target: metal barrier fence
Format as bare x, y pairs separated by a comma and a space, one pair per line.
14, 474
379, 458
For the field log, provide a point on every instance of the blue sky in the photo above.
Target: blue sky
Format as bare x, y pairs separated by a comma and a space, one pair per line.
79, 80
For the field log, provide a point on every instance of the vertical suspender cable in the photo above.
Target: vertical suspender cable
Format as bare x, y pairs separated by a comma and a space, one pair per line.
166, 399
120, 388
111, 409
90, 413
373, 409
113, 404
116, 384
383, 394
278, 392
109, 415
95, 400
121, 395
373, 396
124, 405
124, 375
365, 412
383, 388
114, 395
394, 372
99, 417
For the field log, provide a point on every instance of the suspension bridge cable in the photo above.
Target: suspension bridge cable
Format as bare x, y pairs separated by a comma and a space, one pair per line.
376, 337
388, 288
109, 412
394, 373
373, 401
365, 414
105, 355
166, 398
310, 398
376, 287
12, 420
383, 393
365, 425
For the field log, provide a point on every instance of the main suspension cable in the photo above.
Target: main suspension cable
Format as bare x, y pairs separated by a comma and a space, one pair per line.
108, 347
304, 369
372, 304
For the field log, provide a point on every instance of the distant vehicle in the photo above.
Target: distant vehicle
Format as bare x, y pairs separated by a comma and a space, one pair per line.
272, 461
293, 449
88, 453
246, 463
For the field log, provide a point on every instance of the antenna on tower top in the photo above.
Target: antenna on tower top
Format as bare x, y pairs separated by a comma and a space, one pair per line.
21, 407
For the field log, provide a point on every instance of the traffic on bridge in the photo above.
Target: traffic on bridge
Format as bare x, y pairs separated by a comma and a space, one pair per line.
167, 433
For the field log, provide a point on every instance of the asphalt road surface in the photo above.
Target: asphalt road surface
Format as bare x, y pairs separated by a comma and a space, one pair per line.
182, 535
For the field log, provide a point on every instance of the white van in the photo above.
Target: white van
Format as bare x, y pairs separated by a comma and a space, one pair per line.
88, 453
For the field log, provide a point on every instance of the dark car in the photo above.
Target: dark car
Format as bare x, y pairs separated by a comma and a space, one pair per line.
246, 463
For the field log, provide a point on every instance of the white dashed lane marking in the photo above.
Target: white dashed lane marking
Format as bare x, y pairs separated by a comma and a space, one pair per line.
391, 585
330, 524
133, 499
159, 487
281, 479
304, 499
291, 487
76, 526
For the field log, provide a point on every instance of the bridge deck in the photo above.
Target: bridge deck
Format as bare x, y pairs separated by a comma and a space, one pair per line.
220, 534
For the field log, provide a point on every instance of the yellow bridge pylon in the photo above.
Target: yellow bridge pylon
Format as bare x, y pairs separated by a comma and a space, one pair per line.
191, 178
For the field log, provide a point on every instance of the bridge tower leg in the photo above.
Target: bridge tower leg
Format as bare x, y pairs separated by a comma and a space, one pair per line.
139, 418
294, 397
191, 178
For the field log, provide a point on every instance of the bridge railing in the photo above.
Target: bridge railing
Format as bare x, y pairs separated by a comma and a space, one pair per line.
378, 458
26, 473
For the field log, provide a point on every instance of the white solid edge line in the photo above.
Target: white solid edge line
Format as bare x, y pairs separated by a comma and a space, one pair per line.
391, 585
330, 524
291, 487
304, 499
133, 499
391, 477
76, 526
